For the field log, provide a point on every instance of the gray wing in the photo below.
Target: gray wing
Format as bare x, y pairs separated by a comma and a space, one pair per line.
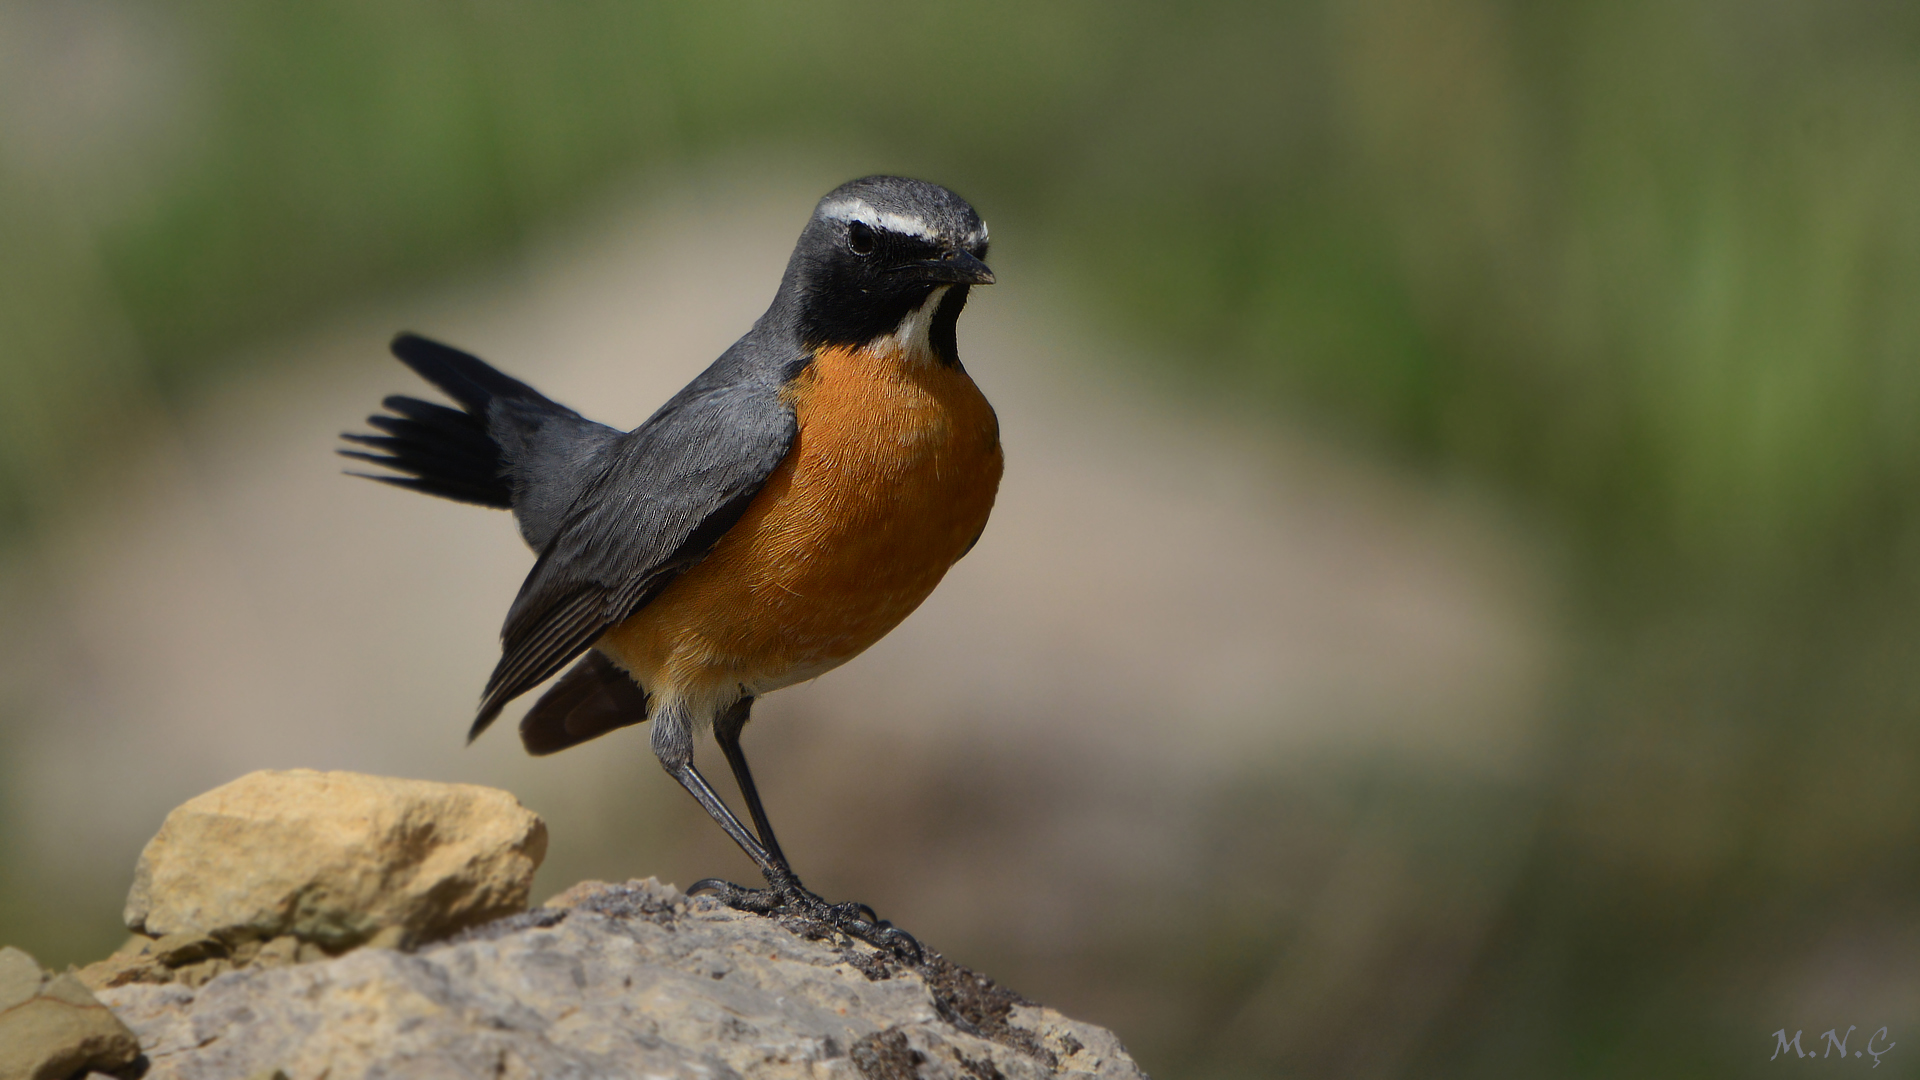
664, 494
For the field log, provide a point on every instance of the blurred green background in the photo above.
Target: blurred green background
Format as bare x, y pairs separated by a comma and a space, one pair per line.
1649, 270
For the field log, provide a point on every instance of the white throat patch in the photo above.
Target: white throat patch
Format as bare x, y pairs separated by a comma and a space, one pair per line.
912, 338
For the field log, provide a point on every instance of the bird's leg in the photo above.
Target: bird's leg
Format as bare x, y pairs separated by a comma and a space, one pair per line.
673, 745
784, 888
726, 732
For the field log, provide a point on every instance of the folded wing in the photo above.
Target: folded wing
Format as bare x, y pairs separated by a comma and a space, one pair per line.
662, 495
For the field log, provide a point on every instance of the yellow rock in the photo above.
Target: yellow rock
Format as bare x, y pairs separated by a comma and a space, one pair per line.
335, 858
20, 977
121, 969
279, 952
51, 1029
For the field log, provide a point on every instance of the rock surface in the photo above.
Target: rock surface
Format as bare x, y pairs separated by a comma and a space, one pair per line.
192, 959
51, 1028
297, 924
335, 859
613, 980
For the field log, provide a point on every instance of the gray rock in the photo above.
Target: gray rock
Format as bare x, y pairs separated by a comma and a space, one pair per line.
613, 981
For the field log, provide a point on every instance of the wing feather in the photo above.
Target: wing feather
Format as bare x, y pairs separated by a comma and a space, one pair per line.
665, 493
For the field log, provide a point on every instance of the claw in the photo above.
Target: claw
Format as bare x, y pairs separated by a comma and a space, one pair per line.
784, 895
898, 942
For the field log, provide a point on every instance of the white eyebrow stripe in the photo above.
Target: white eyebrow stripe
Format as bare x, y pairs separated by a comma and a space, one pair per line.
851, 209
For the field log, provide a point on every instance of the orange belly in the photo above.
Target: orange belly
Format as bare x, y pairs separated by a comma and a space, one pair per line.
891, 476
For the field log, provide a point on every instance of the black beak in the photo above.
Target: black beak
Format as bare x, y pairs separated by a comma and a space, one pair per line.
956, 267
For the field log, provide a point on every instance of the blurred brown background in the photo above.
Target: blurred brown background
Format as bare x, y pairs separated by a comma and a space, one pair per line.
1452, 607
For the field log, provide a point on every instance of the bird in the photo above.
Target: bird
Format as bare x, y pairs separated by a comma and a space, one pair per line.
779, 515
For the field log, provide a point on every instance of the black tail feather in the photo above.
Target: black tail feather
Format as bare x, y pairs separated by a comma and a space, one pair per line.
446, 433
464, 377
442, 451
446, 452
431, 487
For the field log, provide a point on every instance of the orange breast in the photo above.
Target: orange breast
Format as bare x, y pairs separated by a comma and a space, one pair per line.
890, 477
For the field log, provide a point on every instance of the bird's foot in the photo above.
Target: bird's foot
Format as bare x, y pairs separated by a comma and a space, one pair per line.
785, 896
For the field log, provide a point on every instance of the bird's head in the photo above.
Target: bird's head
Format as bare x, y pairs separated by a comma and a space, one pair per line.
886, 256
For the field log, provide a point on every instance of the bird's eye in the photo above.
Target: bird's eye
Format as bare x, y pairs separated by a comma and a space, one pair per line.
860, 239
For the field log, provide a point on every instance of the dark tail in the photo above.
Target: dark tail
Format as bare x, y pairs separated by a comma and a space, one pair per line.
593, 698
442, 451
